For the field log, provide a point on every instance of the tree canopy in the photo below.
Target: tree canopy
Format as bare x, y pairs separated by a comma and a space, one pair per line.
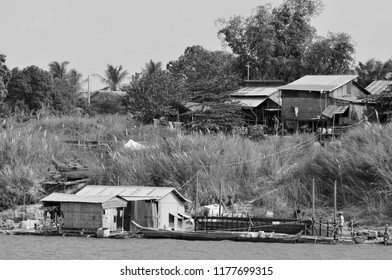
207, 75
32, 88
281, 43
373, 70
150, 96
113, 76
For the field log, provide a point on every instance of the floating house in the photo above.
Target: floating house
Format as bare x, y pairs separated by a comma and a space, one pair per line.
319, 101
260, 100
115, 207
89, 213
157, 207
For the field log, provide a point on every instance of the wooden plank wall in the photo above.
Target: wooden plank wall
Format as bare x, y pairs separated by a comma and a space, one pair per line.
309, 104
81, 215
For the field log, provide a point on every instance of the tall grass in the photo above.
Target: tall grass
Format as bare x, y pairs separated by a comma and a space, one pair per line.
276, 173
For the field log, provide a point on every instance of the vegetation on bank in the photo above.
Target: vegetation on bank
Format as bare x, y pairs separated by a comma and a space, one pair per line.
276, 173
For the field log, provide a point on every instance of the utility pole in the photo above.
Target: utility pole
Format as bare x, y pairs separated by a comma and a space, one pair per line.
88, 89
247, 66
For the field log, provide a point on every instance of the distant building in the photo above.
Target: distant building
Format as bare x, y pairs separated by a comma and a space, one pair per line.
377, 87
260, 100
312, 102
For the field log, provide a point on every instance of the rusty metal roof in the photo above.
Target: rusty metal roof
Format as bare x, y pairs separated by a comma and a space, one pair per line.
65, 197
255, 91
250, 102
127, 192
319, 82
334, 110
376, 87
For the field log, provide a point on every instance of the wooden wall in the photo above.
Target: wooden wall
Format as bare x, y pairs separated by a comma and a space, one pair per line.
81, 215
310, 104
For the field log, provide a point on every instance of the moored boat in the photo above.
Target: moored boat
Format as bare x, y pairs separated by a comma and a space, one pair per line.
219, 235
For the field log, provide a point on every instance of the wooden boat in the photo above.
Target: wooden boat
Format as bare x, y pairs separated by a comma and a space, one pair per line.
218, 235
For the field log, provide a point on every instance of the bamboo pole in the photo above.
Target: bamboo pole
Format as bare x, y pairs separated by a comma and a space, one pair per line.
220, 199
197, 192
334, 202
313, 198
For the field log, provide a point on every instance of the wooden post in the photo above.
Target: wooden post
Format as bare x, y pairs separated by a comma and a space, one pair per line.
334, 203
220, 199
313, 198
197, 192
122, 218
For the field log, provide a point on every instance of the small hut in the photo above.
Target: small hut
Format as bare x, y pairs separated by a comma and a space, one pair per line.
88, 213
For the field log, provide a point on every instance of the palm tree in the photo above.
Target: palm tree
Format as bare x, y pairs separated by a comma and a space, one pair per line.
58, 70
113, 76
152, 67
75, 78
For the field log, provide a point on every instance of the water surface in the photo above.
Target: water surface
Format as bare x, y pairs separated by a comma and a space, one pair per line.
16, 247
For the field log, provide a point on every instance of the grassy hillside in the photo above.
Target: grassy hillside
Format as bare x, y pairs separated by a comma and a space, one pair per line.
276, 173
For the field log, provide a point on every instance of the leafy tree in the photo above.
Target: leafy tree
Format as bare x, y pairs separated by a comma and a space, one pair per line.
207, 75
272, 42
5, 76
29, 88
32, 88
331, 55
58, 70
152, 67
63, 97
75, 79
113, 76
373, 70
150, 96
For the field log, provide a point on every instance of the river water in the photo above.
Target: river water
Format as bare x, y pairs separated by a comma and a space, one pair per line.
15, 247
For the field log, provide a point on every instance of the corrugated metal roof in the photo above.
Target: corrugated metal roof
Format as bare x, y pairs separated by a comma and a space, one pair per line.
250, 102
377, 87
334, 110
319, 82
255, 91
129, 191
351, 99
64, 197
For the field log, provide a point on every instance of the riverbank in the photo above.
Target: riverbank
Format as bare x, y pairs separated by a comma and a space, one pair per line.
276, 174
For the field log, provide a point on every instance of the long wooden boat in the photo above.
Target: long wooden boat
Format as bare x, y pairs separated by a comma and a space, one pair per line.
219, 235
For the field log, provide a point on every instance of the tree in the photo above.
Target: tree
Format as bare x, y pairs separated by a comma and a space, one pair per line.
331, 55
152, 67
63, 97
29, 88
150, 96
5, 76
58, 70
75, 79
207, 75
113, 76
32, 88
373, 70
272, 42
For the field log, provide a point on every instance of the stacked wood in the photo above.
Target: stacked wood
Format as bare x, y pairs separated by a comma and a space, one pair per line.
66, 177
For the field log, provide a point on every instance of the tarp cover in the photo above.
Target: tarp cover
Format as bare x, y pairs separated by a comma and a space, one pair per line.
134, 146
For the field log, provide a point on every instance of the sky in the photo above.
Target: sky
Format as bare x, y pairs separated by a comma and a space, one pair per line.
91, 34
